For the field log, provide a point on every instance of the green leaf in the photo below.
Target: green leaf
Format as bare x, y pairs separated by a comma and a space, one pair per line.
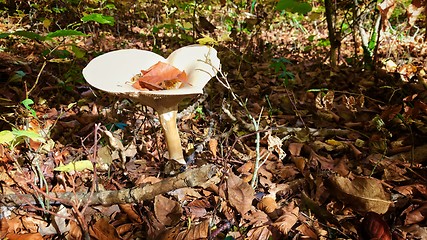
75, 166
78, 52
27, 102
17, 77
29, 134
206, 40
99, 18
30, 35
65, 33
293, 6
7, 137
4, 35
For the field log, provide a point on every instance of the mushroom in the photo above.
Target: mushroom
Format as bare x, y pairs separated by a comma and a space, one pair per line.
112, 72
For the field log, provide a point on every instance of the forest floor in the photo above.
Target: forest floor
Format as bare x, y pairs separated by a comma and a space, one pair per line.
343, 150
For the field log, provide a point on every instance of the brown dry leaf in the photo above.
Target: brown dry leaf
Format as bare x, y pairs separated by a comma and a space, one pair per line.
125, 228
246, 167
161, 76
185, 194
229, 212
195, 212
102, 230
167, 211
275, 144
169, 234
199, 231
240, 194
414, 10
75, 231
362, 193
416, 231
259, 233
26, 236
413, 190
4, 227
289, 218
295, 148
213, 145
130, 212
319, 211
306, 231
267, 204
417, 215
325, 101
256, 218
374, 227
386, 9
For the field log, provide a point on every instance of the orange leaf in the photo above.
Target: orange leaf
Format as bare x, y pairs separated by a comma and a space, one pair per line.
161, 76
374, 227
240, 194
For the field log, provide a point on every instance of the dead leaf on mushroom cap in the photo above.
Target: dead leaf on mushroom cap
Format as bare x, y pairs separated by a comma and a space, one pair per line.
112, 72
364, 194
160, 76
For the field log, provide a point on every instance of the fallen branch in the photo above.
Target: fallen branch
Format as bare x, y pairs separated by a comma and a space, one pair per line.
323, 132
191, 178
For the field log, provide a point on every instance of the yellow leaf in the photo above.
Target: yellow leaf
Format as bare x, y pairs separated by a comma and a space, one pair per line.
206, 40
46, 23
75, 166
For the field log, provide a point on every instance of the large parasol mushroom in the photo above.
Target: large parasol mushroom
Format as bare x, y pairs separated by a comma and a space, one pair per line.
112, 72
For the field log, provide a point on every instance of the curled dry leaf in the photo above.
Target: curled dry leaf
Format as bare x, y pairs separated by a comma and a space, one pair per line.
102, 230
240, 194
267, 204
160, 76
417, 215
196, 231
167, 211
289, 218
374, 227
25, 236
262, 232
362, 193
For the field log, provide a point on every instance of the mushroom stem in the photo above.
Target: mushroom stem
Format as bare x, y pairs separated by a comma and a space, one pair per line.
173, 141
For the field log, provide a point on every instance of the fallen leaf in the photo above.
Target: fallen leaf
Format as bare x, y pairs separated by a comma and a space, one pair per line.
213, 144
4, 227
27, 236
267, 204
364, 194
416, 231
240, 194
196, 231
77, 166
289, 218
275, 144
102, 230
386, 9
417, 215
160, 76
374, 227
259, 233
167, 211
256, 218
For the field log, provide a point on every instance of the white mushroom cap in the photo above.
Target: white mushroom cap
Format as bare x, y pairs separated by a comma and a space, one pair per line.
113, 71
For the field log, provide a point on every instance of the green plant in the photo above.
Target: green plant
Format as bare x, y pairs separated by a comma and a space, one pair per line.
293, 6
14, 137
27, 104
279, 67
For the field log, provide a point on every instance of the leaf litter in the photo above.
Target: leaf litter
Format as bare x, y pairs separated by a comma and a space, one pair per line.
314, 183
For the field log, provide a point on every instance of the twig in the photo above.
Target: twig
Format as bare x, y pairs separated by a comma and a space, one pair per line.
37, 80
192, 178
